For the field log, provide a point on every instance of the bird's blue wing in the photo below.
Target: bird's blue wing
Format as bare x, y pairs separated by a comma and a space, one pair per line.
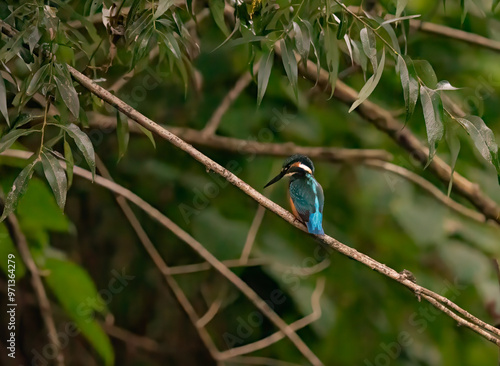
307, 197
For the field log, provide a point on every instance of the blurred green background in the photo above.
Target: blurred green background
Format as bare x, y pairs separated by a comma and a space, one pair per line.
366, 318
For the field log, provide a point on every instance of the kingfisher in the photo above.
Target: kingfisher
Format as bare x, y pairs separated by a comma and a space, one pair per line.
305, 193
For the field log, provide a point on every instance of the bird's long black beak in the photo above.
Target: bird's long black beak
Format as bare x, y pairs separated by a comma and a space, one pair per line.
276, 178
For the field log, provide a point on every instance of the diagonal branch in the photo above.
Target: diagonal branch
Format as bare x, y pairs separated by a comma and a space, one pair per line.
388, 124
196, 137
37, 283
230, 97
199, 248
385, 121
163, 267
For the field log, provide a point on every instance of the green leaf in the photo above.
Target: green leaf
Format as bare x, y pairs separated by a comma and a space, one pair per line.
398, 19
426, 73
217, 10
122, 133
68, 93
56, 177
77, 294
7, 248
409, 82
7, 140
18, 189
400, 7
83, 143
359, 56
163, 6
343, 26
265, 67
3, 101
38, 79
148, 134
332, 56
453, 143
289, 63
482, 136
302, 41
70, 163
433, 116
371, 84
369, 44
171, 43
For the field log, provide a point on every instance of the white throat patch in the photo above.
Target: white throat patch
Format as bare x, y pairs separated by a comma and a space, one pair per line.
306, 168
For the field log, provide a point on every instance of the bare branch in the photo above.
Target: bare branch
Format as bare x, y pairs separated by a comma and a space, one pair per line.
428, 186
162, 266
486, 330
230, 97
195, 137
252, 233
275, 337
37, 284
384, 121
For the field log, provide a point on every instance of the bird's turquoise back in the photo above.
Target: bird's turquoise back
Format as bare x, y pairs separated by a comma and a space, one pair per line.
307, 197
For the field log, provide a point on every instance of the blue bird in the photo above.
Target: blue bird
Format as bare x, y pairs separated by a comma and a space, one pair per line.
306, 194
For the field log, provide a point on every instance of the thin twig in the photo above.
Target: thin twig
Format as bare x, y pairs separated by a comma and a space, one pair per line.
230, 97
250, 147
384, 121
37, 284
277, 336
487, 331
428, 186
162, 266
132, 339
261, 361
252, 234
212, 310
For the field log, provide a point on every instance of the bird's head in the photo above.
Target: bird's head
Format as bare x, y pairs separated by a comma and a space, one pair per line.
295, 164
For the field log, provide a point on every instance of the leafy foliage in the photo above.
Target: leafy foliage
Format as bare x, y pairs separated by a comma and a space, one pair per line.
176, 65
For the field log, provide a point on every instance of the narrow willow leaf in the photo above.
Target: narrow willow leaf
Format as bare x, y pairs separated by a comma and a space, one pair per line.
7, 140
3, 101
332, 56
426, 73
400, 7
482, 136
148, 134
371, 84
302, 41
347, 41
18, 189
265, 67
433, 116
453, 143
359, 56
369, 46
343, 26
68, 94
217, 10
56, 177
289, 63
72, 286
409, 82
83, 143
163, 6
445, 85
38, 79
70, 162
122, 132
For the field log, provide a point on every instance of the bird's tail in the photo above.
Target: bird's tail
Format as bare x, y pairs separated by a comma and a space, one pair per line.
314, 225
